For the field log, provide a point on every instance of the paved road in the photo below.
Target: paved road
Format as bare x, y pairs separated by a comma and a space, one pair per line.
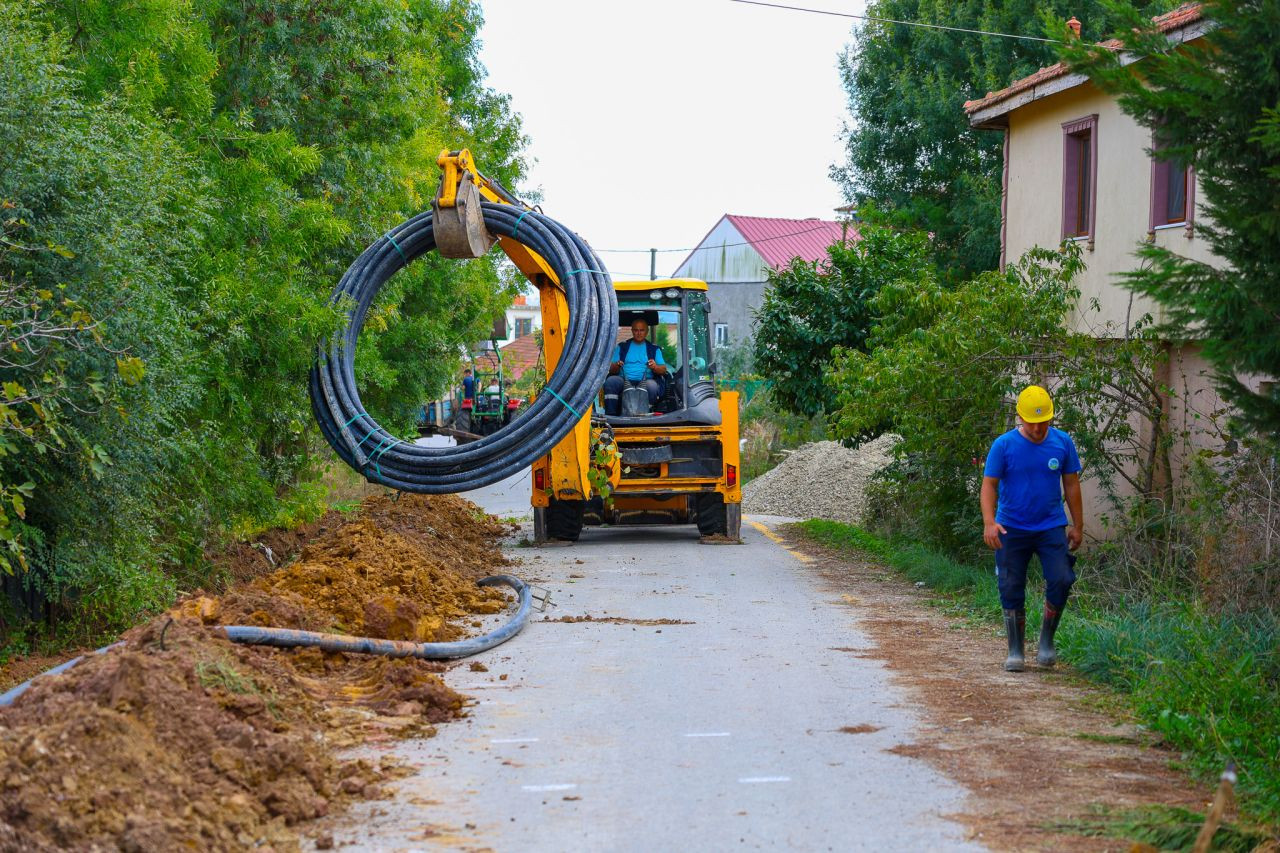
722, 732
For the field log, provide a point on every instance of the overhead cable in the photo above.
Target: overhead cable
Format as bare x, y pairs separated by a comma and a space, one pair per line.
920, 24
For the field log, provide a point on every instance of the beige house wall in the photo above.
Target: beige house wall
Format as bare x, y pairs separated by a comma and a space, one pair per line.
1122, 224
1034, 211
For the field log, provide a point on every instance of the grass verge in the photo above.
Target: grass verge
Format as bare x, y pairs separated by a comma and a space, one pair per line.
1208, 682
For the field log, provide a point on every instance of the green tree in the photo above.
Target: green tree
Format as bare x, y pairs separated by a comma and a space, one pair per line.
810, 309
1216, 106
944, 364
206, 172
912, 160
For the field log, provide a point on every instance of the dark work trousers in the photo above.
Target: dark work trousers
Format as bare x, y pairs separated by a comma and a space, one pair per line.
613, 386
1056, 563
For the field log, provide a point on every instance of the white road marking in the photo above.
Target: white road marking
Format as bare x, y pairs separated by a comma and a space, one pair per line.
755, 780
539, 788
707, 734
514, 740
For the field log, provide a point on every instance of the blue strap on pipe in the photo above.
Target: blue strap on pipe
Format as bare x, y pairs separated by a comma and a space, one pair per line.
366, 438
397, 245
575, 272
516, 227
552, 392
353, 420
381, 450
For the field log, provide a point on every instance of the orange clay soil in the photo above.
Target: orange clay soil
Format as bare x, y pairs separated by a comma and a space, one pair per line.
1036, 749
179, 739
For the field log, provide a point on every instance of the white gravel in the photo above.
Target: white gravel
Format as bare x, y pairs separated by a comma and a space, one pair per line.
820, 480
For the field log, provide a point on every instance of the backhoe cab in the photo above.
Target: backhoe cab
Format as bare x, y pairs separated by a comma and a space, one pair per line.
676, 462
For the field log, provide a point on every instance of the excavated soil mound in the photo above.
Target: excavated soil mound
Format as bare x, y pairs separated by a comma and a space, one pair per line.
180, 739
824, 479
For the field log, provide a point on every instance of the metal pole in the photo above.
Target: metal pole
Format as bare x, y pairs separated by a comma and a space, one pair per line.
653, 264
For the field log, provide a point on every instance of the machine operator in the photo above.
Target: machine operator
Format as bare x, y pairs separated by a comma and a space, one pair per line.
636, 363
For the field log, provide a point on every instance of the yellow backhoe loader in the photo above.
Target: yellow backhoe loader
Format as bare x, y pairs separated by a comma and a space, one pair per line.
676, 462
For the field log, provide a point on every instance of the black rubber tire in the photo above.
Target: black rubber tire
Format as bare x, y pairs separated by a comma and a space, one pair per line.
712, 517
564, 520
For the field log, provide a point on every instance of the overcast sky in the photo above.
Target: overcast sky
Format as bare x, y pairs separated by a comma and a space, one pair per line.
648, 120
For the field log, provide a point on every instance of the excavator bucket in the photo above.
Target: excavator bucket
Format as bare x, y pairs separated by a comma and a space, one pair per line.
459, 227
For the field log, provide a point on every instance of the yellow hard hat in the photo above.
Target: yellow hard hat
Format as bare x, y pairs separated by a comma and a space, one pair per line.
1034, 405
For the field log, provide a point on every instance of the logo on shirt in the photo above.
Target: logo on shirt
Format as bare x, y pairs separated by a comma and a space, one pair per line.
1054, 464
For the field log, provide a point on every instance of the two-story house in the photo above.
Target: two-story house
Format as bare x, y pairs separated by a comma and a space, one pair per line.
1076, 167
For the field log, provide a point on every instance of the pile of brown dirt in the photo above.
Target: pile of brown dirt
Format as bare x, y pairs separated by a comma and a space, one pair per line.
401, 570
182, 739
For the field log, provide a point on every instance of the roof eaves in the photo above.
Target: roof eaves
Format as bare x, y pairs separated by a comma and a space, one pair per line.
991, 112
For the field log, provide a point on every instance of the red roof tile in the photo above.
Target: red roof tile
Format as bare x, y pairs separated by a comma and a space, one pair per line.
1186, 14
518, 356
779, 241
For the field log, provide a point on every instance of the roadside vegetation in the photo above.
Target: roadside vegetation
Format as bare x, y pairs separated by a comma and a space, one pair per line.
1207, 681
181, 186
1178, 605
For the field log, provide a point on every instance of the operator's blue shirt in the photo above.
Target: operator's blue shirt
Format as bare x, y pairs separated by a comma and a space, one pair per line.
1031, 478
636, 367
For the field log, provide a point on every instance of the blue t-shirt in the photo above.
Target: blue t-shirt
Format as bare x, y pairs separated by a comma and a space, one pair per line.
636, 367
1031, 478
468, 388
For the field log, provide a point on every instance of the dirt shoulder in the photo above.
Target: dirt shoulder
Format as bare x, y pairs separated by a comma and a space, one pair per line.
1036, 750
177, 738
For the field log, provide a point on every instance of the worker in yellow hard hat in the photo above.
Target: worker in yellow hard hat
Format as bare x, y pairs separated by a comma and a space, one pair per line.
1029, 471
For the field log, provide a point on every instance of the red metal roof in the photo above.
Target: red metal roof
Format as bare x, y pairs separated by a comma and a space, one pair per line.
1186, 14
779, 241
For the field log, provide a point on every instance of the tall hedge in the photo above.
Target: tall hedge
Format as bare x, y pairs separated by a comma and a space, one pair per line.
192, 178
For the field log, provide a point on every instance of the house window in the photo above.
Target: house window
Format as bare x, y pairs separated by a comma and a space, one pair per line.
524, 326
1079, 176
1171, 189
722, 334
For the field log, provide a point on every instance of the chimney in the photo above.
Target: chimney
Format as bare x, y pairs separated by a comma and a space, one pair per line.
1074, 26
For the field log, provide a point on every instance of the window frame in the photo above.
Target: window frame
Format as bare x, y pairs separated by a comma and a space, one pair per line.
715, 335
1158, 207
1073, 183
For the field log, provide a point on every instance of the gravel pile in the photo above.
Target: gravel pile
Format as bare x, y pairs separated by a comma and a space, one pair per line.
820, 480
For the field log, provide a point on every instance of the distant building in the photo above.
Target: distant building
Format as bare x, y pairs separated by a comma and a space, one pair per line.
522, 318
518, 356
735, 257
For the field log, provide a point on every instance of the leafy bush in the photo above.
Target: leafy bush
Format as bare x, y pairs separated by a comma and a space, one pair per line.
194, 179
810, 309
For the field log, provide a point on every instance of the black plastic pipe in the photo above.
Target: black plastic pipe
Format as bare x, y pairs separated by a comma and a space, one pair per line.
584, 362
287, 638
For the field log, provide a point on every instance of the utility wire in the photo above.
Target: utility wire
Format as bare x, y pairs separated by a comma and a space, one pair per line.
902, 23
822, 227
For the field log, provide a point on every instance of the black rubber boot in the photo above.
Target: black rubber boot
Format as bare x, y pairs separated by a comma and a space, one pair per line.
1015, 626
1047, 655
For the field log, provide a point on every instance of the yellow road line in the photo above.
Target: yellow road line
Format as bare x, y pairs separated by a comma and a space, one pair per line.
804, 558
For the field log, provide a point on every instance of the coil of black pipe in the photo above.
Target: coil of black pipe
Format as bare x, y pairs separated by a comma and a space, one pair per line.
590, 337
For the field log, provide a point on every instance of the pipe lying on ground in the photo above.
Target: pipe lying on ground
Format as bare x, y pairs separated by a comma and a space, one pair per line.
288, 638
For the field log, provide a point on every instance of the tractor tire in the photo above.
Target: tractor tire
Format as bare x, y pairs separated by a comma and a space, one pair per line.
712, 514
564, 520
